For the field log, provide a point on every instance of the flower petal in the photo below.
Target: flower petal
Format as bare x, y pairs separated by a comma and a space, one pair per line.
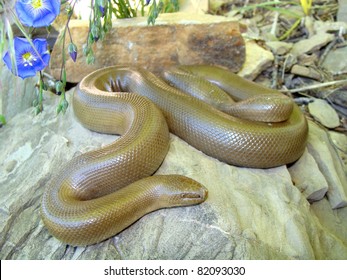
28, 59
42, 60
24, 15
40, 16
7, 59
26, 71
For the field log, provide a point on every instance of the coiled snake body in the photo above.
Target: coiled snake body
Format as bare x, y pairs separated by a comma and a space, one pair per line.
99, 193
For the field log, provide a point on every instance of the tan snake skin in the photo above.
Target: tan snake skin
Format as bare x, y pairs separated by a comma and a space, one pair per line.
100, 193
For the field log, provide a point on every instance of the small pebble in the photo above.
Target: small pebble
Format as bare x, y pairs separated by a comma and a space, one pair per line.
306, 72
279, 48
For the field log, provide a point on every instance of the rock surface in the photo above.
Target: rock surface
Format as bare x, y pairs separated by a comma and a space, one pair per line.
278, 47
342, 11
311, 44
304, 71
257, 60
308, 179
319, 146
329, 26
16, 94
178, 38
249, 214
335, 61
324, 113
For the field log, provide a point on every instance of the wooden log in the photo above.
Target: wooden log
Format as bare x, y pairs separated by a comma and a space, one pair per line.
178, 38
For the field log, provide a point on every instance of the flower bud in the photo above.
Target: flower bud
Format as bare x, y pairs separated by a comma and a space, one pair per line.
90, 58
59, 87
95, 32
72, 49
62, 106
101, 4
102, 11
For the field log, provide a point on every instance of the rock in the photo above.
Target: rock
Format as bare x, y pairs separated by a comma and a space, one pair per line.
308, 179
309, 26
342, 11
176, 38
330, 165
339, 97
249, 214
324, 113
327, 221
257, 60
16, 94
306, 72
312, 44
278, 47
335, 61
330, 26
340, 142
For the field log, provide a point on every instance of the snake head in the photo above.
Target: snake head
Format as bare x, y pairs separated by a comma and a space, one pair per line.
181, 191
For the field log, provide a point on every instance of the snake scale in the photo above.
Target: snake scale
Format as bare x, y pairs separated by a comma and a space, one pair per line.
98, 194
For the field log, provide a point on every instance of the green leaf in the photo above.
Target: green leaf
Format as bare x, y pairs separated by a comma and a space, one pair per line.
260, 5
2, 119
283, 11
153, 13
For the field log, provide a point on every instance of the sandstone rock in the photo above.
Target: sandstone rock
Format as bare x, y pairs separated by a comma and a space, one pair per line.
335, 61
329, 163
339, 140
278, 47
176, 38
257, 60
312, 44
342, 11
324, 113
338, 97
249, 214
309, 26
306, 72
308, 179
327, 221
16, 94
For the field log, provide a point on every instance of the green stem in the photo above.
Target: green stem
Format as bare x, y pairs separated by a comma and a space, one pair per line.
290, 30
39, 104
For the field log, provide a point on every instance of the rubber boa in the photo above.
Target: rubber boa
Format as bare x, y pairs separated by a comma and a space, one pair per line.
100, 193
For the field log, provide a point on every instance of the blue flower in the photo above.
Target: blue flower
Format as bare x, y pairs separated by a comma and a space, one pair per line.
28, 59
37, 13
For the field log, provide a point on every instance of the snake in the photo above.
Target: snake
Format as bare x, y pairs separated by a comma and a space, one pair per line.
98, 194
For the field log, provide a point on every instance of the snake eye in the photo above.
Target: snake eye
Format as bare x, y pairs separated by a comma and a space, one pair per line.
190, 195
